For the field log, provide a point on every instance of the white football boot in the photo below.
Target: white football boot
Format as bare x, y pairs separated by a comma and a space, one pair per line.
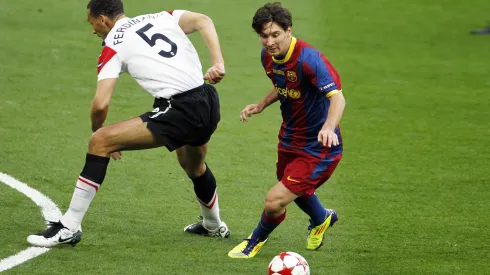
199, 229
56, 234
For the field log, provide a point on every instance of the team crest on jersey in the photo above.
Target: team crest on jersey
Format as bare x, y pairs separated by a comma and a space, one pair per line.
292, 76
294, 94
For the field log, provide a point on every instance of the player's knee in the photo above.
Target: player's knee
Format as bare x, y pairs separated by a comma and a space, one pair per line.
194, 170
273, 206
98, 141
191, 159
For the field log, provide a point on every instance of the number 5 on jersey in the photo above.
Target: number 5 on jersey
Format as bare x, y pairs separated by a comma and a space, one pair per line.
153, 41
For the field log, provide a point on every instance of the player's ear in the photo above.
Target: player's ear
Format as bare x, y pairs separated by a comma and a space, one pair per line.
289, 31
103, 19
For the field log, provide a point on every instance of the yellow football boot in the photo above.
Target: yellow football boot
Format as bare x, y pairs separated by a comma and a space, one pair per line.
317, 233
246, 249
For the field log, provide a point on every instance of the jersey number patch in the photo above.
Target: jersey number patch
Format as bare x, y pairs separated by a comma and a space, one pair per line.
153, 41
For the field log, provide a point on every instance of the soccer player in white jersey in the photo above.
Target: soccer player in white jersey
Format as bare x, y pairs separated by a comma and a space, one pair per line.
155, 51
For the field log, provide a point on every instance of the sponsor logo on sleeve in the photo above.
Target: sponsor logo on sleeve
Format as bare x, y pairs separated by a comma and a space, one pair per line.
327, 86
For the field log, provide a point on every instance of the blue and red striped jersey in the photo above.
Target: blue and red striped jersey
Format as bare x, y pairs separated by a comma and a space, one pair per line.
304, 80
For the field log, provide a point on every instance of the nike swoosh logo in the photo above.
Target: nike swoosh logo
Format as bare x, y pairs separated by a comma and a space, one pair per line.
290, 179
99, 65
61, 240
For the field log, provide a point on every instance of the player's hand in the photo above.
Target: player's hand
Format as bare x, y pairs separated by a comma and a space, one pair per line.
116, 155
328, 138
215, 74
250, 110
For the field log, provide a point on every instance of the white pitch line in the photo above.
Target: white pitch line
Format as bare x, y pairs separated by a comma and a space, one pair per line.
50, 211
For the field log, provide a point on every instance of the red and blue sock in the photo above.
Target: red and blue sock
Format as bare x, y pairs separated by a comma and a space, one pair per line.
267, 225
312, 206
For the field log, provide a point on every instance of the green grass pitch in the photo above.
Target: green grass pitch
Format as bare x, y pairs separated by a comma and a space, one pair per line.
412, 190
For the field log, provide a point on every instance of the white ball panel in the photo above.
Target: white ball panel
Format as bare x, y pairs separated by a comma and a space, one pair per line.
298, 270
290, 261
277, 265
273, 260
294, 254
297, 256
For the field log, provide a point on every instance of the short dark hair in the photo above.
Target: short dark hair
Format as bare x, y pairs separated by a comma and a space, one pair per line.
109, 8
272, 12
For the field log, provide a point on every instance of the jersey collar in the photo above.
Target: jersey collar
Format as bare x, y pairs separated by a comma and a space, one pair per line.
288, 54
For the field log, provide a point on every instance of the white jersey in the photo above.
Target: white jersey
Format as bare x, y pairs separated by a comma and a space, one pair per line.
155, 51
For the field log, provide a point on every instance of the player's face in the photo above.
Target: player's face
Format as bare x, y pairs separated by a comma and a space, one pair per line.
275, 39
100, 25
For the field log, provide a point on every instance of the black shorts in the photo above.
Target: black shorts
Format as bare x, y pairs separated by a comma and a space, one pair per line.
189, 118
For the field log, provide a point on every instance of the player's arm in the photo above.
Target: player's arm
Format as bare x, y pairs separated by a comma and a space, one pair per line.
269, 99
335, 111
100, 104
253, 109
316, 70
108, 70
327, 135
191, 22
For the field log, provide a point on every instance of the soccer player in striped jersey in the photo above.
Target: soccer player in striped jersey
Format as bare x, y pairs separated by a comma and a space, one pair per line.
310, 145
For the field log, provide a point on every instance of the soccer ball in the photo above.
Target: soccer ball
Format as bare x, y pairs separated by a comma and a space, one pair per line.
289, 263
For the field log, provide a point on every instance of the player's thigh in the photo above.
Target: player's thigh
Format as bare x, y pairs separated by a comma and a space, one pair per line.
298, 172
131, 134
325, 169
283, 159
305, 173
